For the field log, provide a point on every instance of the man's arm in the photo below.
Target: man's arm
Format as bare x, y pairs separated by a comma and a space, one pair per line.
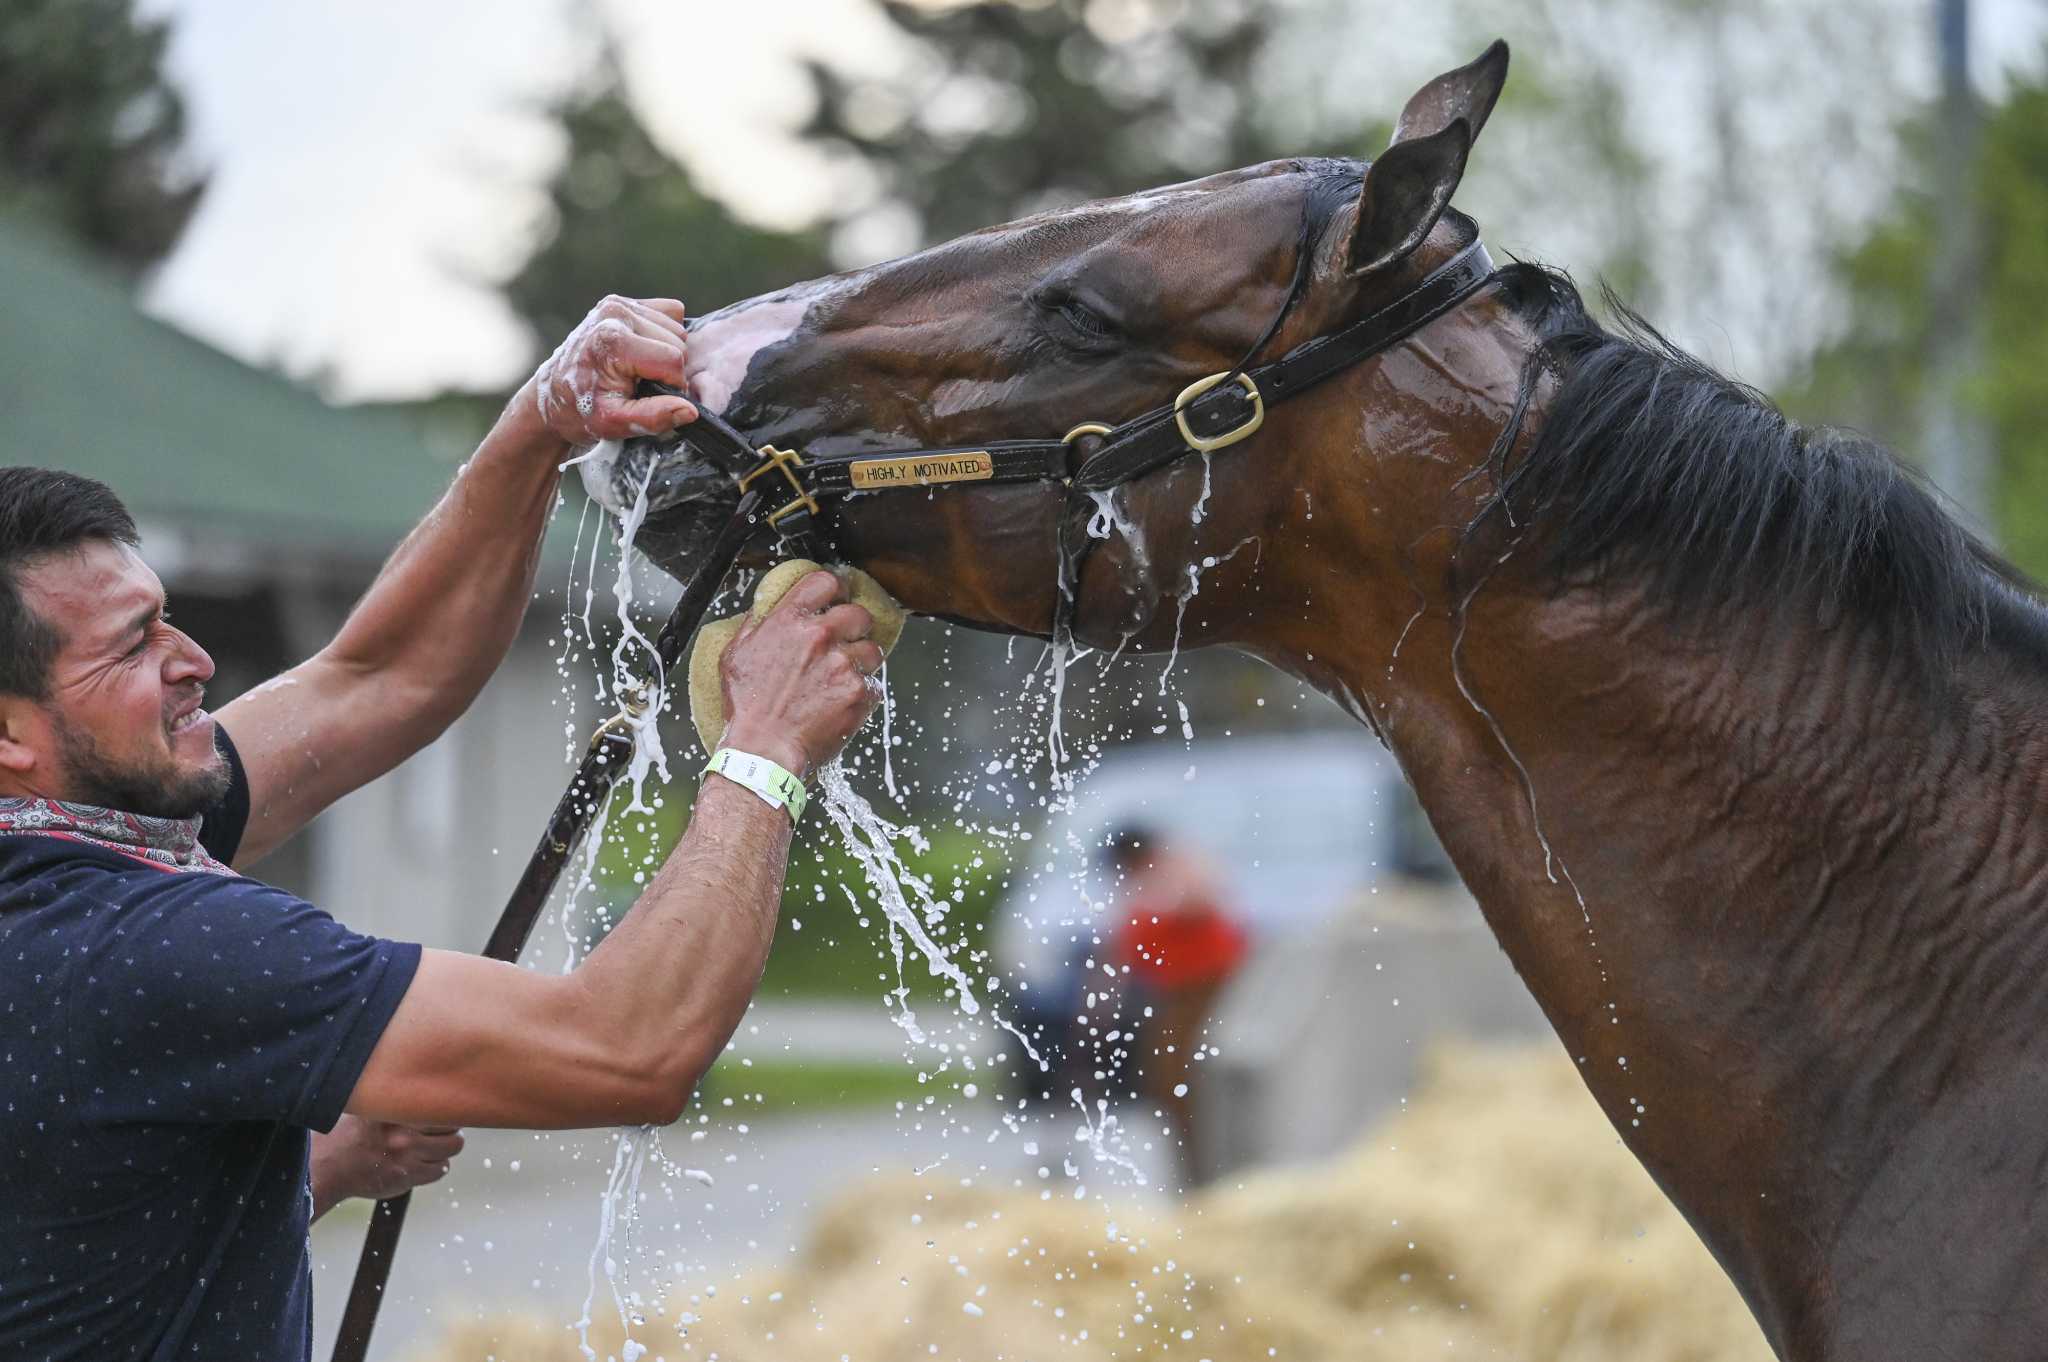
624, 1038
443, 613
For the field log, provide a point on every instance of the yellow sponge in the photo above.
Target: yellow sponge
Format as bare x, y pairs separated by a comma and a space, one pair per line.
707, 691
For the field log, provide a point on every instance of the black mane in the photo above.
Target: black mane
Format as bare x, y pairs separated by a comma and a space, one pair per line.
1647, 462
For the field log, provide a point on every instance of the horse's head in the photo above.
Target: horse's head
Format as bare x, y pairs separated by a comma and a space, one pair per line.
1097, 314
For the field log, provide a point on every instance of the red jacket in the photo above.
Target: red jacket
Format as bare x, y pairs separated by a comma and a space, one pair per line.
1191, 945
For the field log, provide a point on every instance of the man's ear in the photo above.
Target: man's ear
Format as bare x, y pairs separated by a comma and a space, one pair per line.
1468, 93
22, 732
1404, 193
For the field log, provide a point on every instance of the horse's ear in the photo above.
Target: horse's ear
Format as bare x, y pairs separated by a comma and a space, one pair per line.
1404, 193
1467, 93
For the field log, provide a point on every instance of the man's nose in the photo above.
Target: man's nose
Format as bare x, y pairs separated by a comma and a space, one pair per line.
189, 661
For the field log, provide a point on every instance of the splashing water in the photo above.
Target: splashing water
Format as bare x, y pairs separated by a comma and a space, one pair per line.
904, 1016
627, 1164
888, 738
871, 840
1059, 656
1192, 589
1099, 1131
640, 701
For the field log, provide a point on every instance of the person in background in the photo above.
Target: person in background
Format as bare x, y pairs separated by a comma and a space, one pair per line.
1176, 944
1041, 958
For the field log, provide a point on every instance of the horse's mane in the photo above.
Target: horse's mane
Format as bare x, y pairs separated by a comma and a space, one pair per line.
1648, 462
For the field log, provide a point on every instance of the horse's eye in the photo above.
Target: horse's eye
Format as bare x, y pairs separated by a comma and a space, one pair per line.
1074, 321
1077, 315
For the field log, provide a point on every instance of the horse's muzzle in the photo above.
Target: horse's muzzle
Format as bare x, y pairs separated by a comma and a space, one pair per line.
687, 499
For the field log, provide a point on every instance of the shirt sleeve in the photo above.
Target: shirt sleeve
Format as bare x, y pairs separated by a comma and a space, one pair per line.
210, 999
221, 826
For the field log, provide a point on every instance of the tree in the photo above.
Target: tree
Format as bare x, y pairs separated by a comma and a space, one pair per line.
1017, 108
1702, 155
90, 133
1875, 376
628, 219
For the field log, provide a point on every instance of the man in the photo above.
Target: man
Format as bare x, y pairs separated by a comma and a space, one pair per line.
170, 1031
1178, 945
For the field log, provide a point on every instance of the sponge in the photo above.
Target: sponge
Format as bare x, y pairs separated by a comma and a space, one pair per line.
707, 691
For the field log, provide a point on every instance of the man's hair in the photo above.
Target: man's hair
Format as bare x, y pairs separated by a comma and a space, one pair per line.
45, 511
1128, 845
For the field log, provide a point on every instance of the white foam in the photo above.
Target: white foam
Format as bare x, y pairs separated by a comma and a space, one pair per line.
722, 346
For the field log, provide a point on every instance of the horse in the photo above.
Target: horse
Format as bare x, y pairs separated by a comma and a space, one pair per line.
1736, 736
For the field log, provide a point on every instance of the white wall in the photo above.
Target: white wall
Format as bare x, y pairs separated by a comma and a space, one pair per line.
430, 852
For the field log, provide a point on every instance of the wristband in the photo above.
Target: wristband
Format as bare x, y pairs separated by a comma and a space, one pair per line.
776, 787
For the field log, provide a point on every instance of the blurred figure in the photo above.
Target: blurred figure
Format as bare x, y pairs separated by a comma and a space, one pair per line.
1177, 944
1043, 962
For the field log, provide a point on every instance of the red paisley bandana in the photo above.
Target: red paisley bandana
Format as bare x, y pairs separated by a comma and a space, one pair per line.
170, 844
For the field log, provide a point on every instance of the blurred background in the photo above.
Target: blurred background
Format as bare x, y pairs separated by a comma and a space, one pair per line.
271, 271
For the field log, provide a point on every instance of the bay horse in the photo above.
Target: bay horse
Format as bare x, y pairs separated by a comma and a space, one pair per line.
1739, 739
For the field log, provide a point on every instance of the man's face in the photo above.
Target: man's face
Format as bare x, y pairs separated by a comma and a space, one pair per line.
125, 729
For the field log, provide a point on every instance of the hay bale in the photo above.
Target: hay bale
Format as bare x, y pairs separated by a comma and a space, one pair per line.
1497, 1217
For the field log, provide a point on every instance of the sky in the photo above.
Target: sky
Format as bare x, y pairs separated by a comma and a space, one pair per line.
375, 164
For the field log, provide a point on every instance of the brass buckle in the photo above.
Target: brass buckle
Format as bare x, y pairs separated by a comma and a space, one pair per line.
1228, 437
788, 461
1085, 428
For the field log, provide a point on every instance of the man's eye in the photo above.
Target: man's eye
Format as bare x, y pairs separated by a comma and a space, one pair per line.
149, 632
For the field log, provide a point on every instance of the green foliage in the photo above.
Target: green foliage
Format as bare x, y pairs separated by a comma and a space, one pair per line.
772, 1088
89, 131
832, 940
629, 220
1030, 106
1876, 376
842, 945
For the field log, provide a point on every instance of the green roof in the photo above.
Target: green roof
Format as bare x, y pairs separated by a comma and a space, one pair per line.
186, 435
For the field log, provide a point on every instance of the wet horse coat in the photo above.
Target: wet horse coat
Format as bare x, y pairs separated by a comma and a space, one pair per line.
1736, 737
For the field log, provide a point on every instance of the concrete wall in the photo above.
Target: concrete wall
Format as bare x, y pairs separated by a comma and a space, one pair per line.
430, 852
1321, 1033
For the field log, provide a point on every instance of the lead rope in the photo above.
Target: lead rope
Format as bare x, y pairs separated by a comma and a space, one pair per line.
604, 763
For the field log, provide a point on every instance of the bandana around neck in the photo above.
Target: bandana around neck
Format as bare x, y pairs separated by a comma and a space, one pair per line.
168, 843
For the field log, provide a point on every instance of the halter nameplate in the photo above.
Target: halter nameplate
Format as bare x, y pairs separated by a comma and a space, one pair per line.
921, 470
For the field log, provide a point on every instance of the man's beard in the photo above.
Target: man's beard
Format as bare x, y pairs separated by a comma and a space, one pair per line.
158, 789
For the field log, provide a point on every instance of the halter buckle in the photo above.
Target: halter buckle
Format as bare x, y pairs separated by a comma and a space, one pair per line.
1203, 444
787, 461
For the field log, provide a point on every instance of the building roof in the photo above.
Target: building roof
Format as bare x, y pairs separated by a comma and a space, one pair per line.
189, 437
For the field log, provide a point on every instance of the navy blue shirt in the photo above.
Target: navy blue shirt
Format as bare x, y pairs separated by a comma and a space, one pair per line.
167, 1040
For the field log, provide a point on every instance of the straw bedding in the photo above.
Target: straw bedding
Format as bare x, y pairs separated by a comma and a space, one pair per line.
1497, 1217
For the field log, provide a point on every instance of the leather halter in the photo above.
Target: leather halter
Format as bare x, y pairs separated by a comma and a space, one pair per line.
1209, 414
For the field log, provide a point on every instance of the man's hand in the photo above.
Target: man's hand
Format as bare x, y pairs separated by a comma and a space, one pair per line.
797, 683
584, 391
378, 1160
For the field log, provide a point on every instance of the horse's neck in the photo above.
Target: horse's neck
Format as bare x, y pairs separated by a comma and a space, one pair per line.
1778, 911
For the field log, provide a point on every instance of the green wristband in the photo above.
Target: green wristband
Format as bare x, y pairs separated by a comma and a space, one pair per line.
776, 787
